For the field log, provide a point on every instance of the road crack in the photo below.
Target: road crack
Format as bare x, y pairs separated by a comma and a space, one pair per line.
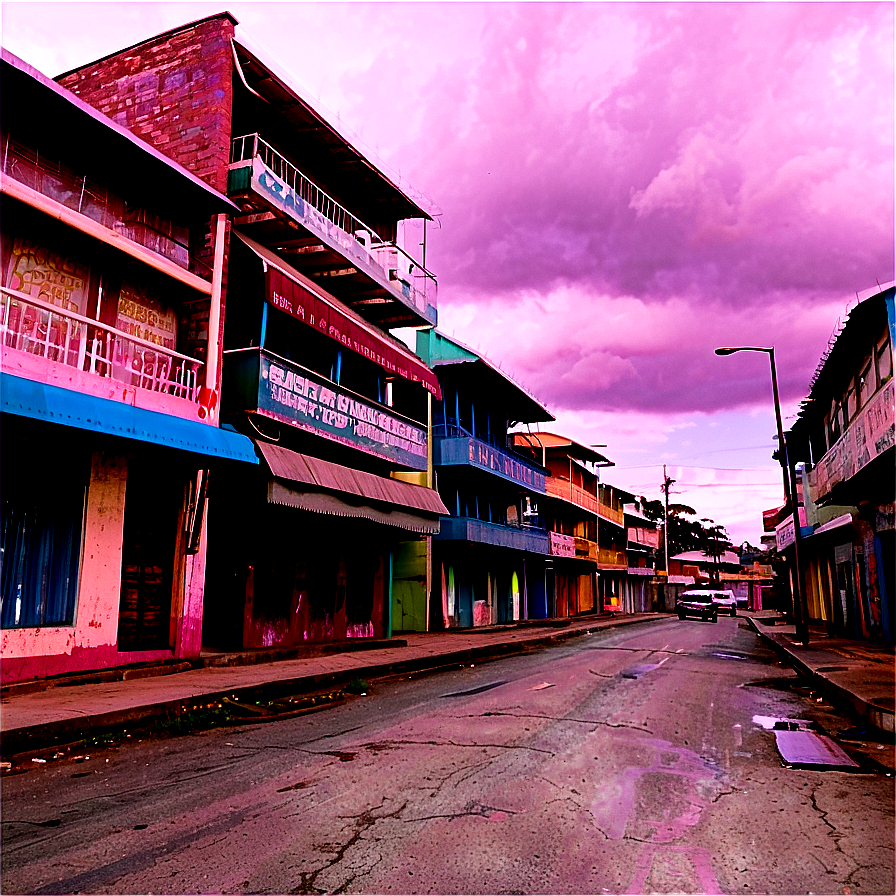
363, 823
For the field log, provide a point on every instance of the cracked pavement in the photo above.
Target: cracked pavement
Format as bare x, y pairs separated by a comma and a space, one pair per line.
599, 783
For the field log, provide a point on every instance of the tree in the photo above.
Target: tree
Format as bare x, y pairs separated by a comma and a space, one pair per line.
687, 534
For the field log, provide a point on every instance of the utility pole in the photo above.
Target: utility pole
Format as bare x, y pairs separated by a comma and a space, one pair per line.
665, 487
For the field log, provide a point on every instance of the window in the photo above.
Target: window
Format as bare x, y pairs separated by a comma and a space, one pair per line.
43, 518
867, 382
883, 358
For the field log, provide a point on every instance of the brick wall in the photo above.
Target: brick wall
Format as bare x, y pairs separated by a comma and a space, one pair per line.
175, 91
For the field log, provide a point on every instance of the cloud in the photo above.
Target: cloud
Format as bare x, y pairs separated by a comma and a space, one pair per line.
659, 149
579, 350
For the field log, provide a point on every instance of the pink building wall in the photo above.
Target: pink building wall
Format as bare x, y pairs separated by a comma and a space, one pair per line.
90, 644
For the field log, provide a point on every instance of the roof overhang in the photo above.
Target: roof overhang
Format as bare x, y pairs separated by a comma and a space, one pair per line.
104, 150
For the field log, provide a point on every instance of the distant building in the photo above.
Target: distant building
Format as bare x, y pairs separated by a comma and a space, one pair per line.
572, 513
643, 537
491, 557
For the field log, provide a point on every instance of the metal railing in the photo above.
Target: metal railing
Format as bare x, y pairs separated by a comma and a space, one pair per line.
40, 328
89, 198
420, 285
575, 494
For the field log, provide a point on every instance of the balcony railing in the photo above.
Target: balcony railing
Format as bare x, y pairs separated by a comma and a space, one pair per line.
612, 557
455, 446
575, 494
409, 277
79, 193
32, 325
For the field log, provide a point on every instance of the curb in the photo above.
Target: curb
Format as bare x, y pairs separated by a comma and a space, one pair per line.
857, 706
29, 739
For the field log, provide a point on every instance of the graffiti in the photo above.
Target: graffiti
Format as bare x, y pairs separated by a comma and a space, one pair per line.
45, 274
142, 316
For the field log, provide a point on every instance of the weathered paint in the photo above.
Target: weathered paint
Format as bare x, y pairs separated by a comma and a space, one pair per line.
91, 643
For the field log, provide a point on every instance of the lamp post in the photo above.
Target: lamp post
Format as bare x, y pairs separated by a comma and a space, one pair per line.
800, 612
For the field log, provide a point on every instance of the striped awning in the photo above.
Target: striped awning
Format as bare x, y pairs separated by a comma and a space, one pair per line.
320, 486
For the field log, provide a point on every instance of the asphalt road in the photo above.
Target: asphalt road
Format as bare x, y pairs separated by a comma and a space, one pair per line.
630, 761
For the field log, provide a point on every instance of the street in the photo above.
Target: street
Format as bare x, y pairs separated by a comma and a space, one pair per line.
630, 761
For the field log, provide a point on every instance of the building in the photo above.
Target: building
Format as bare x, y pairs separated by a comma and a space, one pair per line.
572, 513
110, 370
327, 536
843, 446
643, 535
492, 556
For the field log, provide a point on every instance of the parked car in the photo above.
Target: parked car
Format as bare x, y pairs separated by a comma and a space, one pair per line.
697, 603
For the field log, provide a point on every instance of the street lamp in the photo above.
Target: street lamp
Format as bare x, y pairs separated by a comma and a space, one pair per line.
799, 608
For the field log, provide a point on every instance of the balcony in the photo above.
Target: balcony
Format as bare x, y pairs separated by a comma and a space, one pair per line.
611, 558
263, 383
575, 494
456, 447
44, 342
35, 179
331, 245
868, 436
464, 528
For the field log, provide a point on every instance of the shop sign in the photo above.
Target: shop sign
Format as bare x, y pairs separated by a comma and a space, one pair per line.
641, 535
562, 545
307, 401
301, 303
485, 456
784, 534
143, 316
871, 434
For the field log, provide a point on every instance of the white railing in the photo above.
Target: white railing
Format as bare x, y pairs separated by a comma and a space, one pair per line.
413, 281
32, 325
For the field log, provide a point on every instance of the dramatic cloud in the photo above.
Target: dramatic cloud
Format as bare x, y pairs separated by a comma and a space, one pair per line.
737, 150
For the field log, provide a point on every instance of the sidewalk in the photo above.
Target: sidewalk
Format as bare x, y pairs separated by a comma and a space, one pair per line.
856, 675
43, 715
36, 717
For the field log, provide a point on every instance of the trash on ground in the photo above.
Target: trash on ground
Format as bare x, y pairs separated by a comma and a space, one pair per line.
809, 748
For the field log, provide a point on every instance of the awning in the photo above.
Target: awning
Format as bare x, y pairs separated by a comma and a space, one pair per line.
292, 292
845, 519
320, 486
40, 401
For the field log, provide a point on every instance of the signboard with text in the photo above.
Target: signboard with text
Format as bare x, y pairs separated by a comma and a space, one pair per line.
480, 454
562, 545
300, 398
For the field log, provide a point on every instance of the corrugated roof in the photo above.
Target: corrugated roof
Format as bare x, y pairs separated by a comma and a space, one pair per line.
325, 475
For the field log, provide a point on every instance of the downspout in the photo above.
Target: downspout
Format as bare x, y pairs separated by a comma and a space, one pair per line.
214, 312
388, 632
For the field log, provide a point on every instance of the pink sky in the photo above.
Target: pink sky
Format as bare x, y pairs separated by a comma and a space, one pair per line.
621, 188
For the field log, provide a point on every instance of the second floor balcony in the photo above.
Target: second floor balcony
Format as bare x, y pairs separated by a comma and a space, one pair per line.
868, 436
454, 446
367, 271
464, 528
575, 494
43, 342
